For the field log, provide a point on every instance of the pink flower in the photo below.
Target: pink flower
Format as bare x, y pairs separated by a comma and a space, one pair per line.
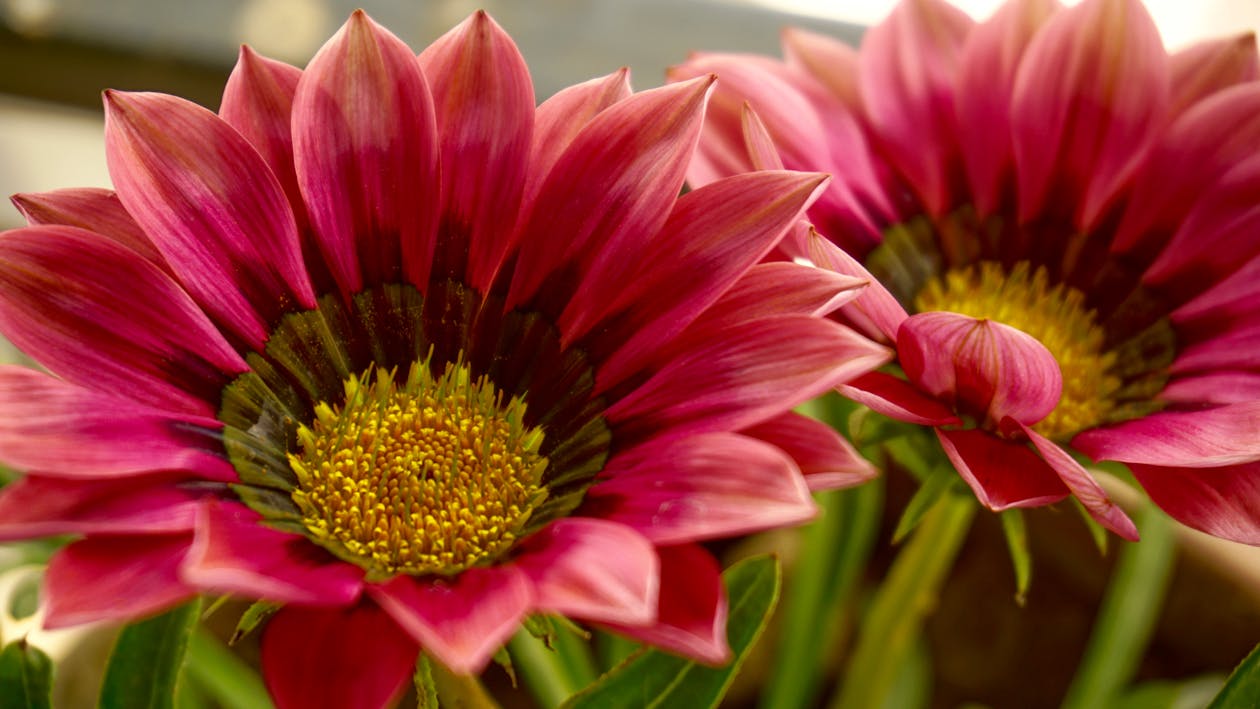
387, 344
1051, 171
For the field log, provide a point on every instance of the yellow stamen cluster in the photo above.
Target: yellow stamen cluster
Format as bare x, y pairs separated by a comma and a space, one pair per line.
429, 477
1055, 315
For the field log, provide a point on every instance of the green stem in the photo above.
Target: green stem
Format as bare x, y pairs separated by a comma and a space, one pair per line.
220, 673
1128, 614
546, 674
903, 601
460, 691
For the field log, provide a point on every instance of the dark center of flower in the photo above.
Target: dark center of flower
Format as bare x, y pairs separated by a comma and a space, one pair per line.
430, 476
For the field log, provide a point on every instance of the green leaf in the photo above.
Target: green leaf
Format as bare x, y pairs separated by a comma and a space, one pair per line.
1021, 558
25, 677
145, 665
221, 674
1193, 693
652, 678
252, 617
934, 486
1242, 689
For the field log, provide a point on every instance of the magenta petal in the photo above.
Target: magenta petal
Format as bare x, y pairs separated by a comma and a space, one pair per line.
691, 620
825, 458
1090, 97
830, 61
39, 506
90, 208
985, 367
877, 313
593, 569
365, 146
336, 658
1224, 502
1002, 473
560, 118
210, 205
484, 100
1207, 67
234, 551
114, 578
64, 430
780, 288
703, 487
1237, 348
1211, 438
1230, 387
898, 399
1084, 487
461, 621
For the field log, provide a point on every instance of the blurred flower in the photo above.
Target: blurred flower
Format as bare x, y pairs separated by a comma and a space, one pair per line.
386, 343
1051, 171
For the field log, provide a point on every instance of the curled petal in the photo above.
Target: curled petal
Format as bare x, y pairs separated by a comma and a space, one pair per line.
118, 578
1003, 474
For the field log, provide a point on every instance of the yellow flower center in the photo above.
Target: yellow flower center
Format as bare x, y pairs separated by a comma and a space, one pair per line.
1056, 316
430, 476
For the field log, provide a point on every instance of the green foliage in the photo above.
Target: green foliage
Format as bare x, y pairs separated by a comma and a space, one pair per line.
25, 677
1242, 689
147, 661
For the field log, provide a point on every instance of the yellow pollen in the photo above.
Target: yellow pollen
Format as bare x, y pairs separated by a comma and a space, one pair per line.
432, 476
1055, 315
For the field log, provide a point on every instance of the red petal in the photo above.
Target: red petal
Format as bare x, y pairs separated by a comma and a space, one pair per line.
563, 116
825, 458
1002, 473
90, 208
898, 399
1224, 502
1211, 438
38, 506
114, 578
1084, 487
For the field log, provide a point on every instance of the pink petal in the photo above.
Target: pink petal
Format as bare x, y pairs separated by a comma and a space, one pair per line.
984, 367
693, 608
1233, 299
1237, 348
1084, 487
1224, 502
986, 82
210, 205
825, 458
758, 141
463, 620
743, 375
90, 208
39, 506
1090, 97
563, 116
1211, 438
484, 100
1003, 474
593, 569
831, 62
906, 73
1214, 388
781, 288
617, 181
316, 658
365, 147
116, 323
705, 486
114, 578
1210, 66
898, 399
233, 551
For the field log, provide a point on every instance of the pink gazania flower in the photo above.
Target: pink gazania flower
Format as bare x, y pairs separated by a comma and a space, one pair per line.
1065, 219
386, 343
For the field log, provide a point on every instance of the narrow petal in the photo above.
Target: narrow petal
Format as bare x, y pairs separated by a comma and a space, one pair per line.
831, 62
1210, 66
898, 399
1211, 438
563, 116
616, 182
461, 621
908, 66
1090, 97
210, 205
1003, 474
117, 323
1084, 487
593, 569
484, 99
90, 208
39, 506
330, 658
759, 142
233, 551
1230, 387
1224, 502
1236, 348
779, 287
693, 608
114, 578
1233, 299
704, 487
365, 147
825, 458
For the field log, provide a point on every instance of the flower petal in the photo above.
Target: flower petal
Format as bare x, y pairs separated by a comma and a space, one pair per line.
461, 621
1230, 387
705, 486
1084, 487
210, 205
593, 569
780, 288
90, 208
1204, 68
1224, 502
484, 100
832, 63
233, 551
365, 148
825, 458
693, 608
114, 578
1210, 438
1003, 474
563, 116
356, 658
39, 506
116, 323
898, 399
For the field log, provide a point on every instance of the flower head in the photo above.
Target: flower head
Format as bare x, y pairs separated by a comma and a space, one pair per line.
386, 343
1062, 215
